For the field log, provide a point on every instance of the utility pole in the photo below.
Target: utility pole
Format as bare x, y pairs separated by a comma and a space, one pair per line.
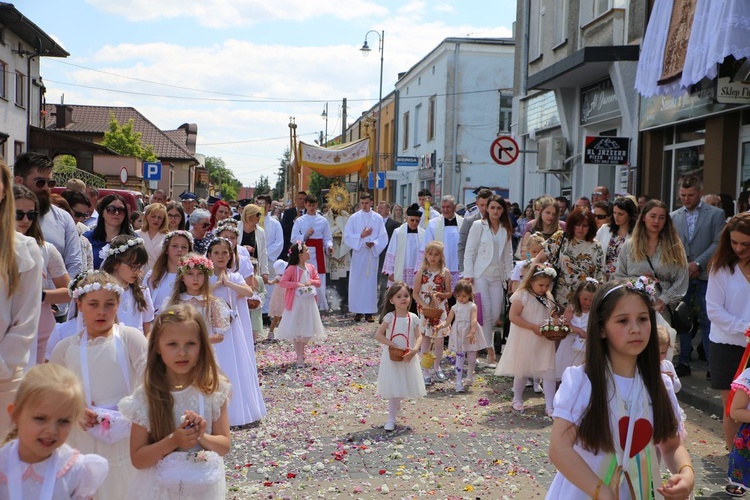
343, 121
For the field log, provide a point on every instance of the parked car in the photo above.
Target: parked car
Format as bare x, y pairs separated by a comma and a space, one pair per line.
134, 199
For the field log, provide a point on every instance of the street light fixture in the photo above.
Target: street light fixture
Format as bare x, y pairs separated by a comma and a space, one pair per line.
324, 115
365, 52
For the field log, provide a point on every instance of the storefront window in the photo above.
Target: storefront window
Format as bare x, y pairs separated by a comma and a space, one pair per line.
683, 157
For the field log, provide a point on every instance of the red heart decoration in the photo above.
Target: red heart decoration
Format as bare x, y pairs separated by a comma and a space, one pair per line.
642, 433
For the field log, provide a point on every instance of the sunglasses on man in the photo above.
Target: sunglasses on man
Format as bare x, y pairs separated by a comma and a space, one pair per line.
31, 215
40, 182
112, 210
600, 216
81, 215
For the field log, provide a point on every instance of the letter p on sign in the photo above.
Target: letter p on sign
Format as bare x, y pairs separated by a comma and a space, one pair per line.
152, 171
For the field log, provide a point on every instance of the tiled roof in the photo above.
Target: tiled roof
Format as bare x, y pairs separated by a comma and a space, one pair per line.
95, 120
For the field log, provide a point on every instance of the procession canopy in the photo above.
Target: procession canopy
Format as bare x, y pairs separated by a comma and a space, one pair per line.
338, 160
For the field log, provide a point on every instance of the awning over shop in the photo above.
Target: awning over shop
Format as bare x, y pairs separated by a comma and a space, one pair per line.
686, 40
337, 160
582, 67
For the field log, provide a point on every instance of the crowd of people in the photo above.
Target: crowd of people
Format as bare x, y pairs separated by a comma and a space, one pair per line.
127, 340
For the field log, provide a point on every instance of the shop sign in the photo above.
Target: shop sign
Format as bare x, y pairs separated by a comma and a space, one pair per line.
607, 150
599, 102
426, 173
664, 110
729, 92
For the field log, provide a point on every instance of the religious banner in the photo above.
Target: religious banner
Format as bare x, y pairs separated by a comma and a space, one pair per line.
338, 160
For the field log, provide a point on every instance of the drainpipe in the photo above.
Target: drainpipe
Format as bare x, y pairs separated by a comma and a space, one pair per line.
525, 16
456, 50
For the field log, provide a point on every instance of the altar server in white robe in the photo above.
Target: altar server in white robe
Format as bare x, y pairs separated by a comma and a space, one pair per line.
313, 229
446, 229
425, 199
401, 262
365, 234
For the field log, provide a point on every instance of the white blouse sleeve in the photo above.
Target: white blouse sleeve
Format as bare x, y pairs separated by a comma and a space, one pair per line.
220, 397
742, 382
388, 319
135, 408
137, 348
56, 265
572, 398
148, 313
94, 470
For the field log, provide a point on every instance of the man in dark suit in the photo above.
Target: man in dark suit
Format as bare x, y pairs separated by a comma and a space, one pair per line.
699, 226
384, 209
287, 222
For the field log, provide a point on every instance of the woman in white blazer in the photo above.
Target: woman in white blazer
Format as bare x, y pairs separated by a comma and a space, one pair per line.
250, 232
488, 262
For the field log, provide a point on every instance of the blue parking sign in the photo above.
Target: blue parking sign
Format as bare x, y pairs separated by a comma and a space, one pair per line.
152, 171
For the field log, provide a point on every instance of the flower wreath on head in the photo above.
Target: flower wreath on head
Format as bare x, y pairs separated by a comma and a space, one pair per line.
223, 240
195, 262
547, 269
591, 280
227, 226
76, 291
185, 234
642, 284
109, 251
299, 247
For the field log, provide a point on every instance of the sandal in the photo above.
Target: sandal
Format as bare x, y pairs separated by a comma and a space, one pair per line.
518, 405
735, 490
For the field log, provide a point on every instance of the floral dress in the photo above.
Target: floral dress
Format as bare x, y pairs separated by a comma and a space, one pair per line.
432, 282
576, 261
739, 458
613, 254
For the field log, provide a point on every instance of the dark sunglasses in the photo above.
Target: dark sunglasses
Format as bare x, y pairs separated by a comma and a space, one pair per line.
81, 215
111, 210
40, 183
31, 215
205, 225
600, 216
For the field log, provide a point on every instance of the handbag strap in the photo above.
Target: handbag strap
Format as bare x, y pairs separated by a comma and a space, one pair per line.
408, 328
85, 363
559, 249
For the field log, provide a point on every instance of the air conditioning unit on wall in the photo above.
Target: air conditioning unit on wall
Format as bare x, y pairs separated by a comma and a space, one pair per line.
551, 155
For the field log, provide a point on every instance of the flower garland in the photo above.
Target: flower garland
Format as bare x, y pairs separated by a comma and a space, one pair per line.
74, 282
195, 262
299, 247
93, 287
185, 234
225, 226
224, 240
642, 284
547, 269
108, 251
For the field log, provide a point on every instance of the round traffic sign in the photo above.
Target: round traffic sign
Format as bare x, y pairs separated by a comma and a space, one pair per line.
504, 150
124, 175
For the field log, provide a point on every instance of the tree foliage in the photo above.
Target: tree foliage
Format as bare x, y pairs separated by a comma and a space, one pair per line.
124, 140
319, 183
262, 186
223, 178
284, 161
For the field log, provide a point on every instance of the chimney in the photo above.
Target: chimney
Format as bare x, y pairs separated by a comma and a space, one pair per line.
191, 133
64, 115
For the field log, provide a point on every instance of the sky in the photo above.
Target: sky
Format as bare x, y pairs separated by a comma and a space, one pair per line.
240, 69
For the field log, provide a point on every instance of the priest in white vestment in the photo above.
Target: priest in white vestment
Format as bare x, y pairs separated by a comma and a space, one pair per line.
313, 229
445, 229
403, 250
365, 235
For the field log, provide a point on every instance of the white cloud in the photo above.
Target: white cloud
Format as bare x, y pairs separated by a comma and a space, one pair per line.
224, 13
444, 7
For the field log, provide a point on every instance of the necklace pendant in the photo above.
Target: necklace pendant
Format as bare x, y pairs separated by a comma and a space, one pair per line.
178, 387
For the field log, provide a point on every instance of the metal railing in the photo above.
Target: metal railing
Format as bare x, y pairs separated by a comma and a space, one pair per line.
64, 174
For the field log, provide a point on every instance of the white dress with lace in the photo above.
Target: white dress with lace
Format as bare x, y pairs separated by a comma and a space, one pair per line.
128, 312
78, 475
216, 313
236, 358
135, 408
162, 291
108, 387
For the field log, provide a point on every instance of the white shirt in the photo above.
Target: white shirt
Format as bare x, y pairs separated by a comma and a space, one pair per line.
59, 229
274, 237
726, 306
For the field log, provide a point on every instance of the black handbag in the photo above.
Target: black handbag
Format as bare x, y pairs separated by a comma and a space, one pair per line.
680, 317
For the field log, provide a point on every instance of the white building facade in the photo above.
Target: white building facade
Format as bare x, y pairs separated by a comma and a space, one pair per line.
450, 107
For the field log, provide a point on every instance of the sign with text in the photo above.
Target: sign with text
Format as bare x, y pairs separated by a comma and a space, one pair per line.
607, 150
729, 92
407, 161
599, 102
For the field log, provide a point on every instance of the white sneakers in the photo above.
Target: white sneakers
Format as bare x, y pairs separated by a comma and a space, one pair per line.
390, 425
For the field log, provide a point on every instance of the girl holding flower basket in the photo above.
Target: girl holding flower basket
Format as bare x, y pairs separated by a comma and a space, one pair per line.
301, 320
528, 353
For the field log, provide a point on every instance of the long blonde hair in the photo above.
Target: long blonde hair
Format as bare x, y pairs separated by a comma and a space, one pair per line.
433, 246
205, 373
8, 266
43, 382
672, 251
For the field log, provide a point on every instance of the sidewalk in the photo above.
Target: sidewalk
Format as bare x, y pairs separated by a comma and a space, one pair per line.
696, 391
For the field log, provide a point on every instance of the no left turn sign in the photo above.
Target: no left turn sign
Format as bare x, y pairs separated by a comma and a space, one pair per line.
504, 150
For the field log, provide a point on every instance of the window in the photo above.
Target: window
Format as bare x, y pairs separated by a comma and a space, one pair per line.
506, 113
535, 29
3, 69
591, 9
405, 138
20, 78
17, 149
387, 138
431, 110
560, 29
3, 142
417, 113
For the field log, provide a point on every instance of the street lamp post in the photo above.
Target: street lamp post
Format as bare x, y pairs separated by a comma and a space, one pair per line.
324, 114
365, 52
